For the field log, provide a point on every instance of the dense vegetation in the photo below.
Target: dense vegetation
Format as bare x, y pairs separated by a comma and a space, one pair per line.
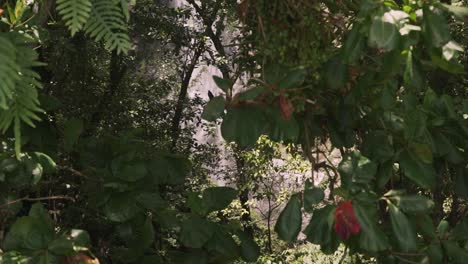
344, 124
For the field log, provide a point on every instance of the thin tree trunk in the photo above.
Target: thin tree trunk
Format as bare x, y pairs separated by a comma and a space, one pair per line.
246, 218
186, 77
116, 73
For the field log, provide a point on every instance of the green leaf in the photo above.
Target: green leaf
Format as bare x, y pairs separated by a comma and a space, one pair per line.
384, 174
378, 146
289, 221
214, 109
27, 233
38, 212
223, 84
47, 162
218, 198
191, 257
72, 131
131, 172
455, 253
319, 231
61, 246
196, 232
281, 129
403, 229
425, 226
353, 45
415, 121
449, 66
107, 22
169, 169
356, 168
412, 75
417, 171
223, 244
244, 125
422, 151
139, 234
81, 239
151, 201
460, 12
121, 207
443, 228
250, 94
249, 250
435, 253
412, 204
461, 182
383, 35
460, 232
312, 196
451, 50
336, 74
75, 13
371, 237
293, 79
436, 29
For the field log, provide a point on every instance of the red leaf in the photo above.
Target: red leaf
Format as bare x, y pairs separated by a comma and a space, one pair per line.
346, 222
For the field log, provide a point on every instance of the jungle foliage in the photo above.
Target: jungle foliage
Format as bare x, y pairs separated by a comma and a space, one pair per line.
99, 161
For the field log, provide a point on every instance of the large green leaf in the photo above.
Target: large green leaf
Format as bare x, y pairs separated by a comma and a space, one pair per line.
460, 232
455, 253
223, 243
353, 46
336, 74
319, 231
312, 197
249, 250
223, 84
169, 169
417, 171
377, 145
196, 232
356, 168
138, 234
460, 12
422, 151
371, 237
289, 221
280, 129
436, 29
412, 75
121, 207
403, 229
383, 34
131, 172
218, 198
293, 79
214, 109
61, 246
244, 125
72, 131
384, 174
435, 253
412, 203
28, 233
151, 201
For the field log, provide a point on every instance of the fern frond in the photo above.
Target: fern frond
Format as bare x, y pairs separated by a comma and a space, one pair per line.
107, 23
75, 13
9, 71
19, 82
